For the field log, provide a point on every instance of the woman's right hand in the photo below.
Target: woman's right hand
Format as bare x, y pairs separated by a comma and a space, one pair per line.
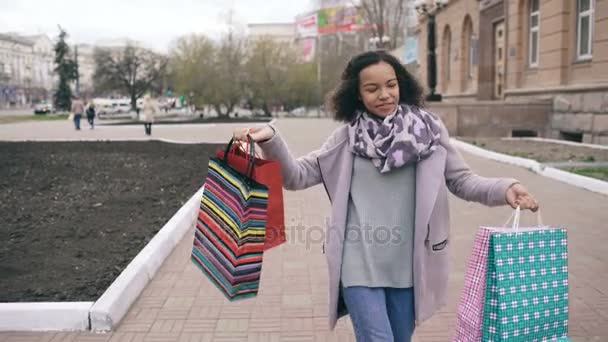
257, 133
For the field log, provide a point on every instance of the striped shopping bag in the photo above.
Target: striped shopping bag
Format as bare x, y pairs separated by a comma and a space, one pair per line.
231, 228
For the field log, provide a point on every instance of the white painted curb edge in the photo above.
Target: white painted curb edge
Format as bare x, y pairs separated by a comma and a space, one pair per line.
588, 183
51, 316
112, 306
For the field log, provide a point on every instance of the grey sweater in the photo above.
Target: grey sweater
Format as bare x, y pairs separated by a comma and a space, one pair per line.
378, 246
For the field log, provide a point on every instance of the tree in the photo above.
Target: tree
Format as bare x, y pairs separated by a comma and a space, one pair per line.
268, 68
302, 85
192, 64
386, 18
133, 71
229, 75
212, 72
67, 70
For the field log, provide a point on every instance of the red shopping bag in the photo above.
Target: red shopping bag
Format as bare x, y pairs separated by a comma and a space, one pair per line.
267, 172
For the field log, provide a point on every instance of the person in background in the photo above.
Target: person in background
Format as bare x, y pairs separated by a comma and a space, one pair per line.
150, 109
91, 114
387, 169
78, 110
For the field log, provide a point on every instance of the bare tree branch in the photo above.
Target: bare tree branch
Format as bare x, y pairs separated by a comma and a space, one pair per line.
384, 16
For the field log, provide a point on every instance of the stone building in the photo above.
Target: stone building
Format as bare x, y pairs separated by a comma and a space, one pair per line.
16, 70
279, 32
527, 51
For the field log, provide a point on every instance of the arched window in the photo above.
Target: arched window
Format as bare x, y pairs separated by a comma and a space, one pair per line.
467, 52
446, 47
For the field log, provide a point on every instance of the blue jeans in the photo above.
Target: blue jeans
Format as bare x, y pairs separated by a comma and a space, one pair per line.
77, 118
381, 314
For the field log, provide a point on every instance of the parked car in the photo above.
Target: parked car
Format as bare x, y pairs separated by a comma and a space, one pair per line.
43, 108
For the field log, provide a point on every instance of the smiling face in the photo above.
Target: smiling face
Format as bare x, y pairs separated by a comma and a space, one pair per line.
379, 89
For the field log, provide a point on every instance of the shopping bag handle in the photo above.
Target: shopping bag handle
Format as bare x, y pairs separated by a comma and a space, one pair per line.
250, 155
240, 147
516, 215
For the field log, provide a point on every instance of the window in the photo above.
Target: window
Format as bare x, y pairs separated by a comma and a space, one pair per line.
471, 55
584, 37
468, 53
533, 36
447, 53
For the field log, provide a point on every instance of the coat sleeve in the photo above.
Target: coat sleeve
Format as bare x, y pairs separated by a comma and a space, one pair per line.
298, 173
464, 183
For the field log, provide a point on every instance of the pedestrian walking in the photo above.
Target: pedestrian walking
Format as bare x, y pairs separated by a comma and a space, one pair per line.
387, 171
77, 110
91, 114
150, 108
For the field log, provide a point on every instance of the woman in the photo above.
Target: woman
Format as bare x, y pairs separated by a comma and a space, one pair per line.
386, 170
150, 109
91, 115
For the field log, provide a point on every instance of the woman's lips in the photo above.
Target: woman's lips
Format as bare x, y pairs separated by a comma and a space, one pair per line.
385, 105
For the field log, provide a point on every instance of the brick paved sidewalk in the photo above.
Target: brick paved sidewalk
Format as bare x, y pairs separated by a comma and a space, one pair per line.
180, 304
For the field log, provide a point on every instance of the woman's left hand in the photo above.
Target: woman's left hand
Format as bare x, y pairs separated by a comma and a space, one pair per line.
518, 195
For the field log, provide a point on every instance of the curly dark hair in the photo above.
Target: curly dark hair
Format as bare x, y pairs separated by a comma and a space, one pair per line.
344, 100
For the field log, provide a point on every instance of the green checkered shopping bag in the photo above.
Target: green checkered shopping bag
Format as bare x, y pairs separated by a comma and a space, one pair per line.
516, 286
526, 292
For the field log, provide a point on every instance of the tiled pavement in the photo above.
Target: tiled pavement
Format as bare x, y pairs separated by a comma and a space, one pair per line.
179, 304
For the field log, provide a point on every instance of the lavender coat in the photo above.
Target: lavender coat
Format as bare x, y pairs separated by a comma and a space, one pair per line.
444, 169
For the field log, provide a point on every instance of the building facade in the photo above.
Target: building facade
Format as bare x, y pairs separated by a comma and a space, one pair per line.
279, 32
27, 69
527, 50
16, 69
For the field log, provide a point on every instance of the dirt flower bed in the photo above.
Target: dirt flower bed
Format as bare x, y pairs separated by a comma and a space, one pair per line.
586, 161
543, 152
73, 215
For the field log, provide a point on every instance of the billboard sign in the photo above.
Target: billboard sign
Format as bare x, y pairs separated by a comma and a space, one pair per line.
340, 19
306, 25
308, 49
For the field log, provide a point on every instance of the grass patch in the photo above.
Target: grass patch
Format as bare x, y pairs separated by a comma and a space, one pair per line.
600, 173
6, 119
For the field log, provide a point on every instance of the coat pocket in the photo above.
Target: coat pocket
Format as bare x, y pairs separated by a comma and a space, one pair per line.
436, 238
439, 246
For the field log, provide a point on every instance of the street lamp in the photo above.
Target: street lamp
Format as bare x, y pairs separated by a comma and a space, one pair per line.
430, 10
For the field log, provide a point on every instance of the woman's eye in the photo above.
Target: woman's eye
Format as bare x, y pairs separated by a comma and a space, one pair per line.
370, 90
392, 85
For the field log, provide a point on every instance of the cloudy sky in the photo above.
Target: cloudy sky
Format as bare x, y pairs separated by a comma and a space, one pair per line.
154, 22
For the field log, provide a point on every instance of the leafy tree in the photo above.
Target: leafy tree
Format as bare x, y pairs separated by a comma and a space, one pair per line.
213, 72
192, 64
229, 76
268, 68
67, 70
302, 85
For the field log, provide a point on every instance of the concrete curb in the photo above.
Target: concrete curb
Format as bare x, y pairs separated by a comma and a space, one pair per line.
588, 183
51, 316
111, 307
562, 142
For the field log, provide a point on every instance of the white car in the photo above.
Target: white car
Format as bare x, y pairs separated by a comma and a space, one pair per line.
43, 108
